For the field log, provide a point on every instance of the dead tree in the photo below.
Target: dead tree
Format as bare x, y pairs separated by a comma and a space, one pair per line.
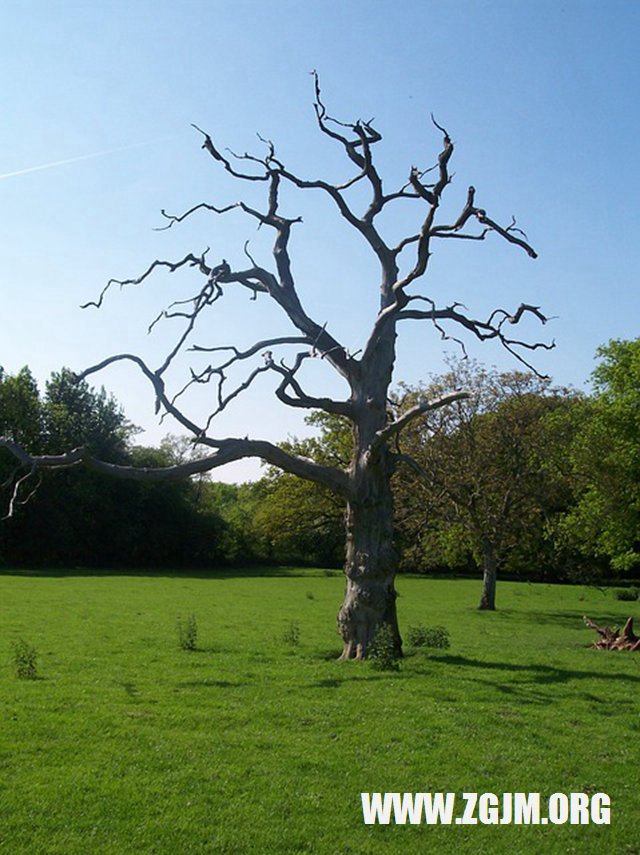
614, 639
371, 558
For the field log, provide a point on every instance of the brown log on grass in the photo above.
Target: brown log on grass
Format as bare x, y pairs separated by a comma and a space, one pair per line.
614, 638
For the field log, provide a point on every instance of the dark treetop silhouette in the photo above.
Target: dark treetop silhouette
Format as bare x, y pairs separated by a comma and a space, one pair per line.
371, 559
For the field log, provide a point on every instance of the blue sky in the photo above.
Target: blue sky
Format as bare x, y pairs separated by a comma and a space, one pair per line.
540, 98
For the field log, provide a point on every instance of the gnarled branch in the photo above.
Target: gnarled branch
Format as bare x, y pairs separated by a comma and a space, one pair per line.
227, 451
420, 409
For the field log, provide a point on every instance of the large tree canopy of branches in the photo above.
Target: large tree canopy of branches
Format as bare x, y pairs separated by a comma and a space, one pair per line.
371, 559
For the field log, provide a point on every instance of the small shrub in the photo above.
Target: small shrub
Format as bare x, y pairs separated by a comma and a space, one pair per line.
626, 594
428, 636
416, 635
291, 635
310, 595
187, 632
383, 654
25, 660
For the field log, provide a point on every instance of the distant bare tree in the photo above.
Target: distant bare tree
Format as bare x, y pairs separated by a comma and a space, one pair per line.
371, 560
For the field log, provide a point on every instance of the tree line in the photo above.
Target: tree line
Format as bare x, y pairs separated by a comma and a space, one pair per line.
74, 517
521, 478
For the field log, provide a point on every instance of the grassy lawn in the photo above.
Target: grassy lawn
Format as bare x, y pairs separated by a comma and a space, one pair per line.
250, 745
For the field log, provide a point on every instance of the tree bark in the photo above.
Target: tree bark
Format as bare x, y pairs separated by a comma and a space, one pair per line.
370, 568
488, 598
371, 558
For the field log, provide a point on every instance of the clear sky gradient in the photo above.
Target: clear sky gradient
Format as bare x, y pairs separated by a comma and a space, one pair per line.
540, 98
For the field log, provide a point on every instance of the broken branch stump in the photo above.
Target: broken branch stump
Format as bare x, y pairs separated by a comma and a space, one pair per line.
613, 638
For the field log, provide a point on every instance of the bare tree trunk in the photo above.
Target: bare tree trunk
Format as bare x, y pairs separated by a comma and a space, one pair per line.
371, 559
488, 598
370, 596
371, 563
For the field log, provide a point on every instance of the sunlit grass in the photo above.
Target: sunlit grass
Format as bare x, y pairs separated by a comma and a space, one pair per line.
249, 744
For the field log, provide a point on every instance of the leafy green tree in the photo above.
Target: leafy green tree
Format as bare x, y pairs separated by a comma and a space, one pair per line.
74, 415
299, 521
478, 482
63, 522
20, 409
236, 505
76, 517
21, 422
605, 460
161, 524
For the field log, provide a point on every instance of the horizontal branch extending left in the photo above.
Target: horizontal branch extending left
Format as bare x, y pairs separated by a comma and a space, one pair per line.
227, 451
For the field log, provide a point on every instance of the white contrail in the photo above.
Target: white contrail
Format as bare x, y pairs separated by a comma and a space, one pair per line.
55, 163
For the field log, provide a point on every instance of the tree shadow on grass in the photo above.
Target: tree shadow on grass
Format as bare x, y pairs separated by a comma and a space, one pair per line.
357, 678
540, 674
571, 620
201, 651
210, 684
330, 655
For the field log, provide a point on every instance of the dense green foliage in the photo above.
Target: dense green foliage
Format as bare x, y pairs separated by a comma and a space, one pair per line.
479, 490
429, 636
76, 517
605, 460
249, 746
299, 522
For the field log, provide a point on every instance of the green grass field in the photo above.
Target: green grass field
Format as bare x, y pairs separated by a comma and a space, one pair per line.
250, 745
